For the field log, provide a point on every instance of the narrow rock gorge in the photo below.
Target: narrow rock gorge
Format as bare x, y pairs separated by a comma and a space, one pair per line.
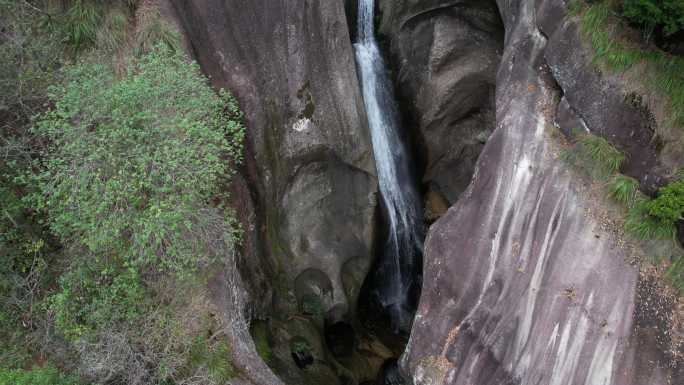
526, 277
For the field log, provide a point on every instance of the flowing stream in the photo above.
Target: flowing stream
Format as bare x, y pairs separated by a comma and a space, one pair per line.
396, 273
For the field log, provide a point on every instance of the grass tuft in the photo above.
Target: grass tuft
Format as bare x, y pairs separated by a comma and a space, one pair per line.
599, 150
114, 31
595, 155
154, 30
82, 21
666, 72
675, 274
624, 189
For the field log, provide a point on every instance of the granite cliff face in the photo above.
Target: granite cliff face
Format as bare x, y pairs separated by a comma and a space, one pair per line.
525, 278
524, 281
306, 196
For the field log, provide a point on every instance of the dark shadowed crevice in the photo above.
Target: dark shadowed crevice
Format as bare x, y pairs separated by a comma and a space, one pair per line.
341, 339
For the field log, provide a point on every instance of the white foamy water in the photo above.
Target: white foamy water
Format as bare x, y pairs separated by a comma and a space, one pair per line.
399, 196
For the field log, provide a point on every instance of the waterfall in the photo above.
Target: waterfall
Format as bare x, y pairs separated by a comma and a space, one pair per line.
399, 196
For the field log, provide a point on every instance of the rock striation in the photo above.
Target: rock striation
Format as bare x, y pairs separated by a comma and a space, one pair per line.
524, 281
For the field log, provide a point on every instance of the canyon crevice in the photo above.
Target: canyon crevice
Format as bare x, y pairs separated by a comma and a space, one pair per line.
525, 281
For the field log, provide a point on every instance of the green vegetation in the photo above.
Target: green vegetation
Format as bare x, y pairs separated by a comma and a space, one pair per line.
39, 376
312, 305
651, 14
127, 181
624, 189
675, 273
664, 71
644, 226
134, 161
668, 206
595, 155
300, 346
215, 358
28, 58
658, 217
154, 30
259, 331
114, 155
602, 25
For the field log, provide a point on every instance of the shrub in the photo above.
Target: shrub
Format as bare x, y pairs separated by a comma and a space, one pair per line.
668, 206
665, 14
37, 376
135, 161
28, 59
642, 225
129, 183
658, 217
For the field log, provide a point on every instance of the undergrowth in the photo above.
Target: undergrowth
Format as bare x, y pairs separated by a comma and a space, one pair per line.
112, 198
40, 376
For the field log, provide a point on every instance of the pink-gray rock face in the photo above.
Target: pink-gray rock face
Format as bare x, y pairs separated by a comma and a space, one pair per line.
309, 162
522, 282
306, 195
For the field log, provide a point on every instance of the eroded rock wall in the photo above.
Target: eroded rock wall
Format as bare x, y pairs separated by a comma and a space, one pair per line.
445, 55
306, 196
525, 281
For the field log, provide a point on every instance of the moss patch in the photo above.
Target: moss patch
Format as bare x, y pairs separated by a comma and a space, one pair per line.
259, 331
305, 96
